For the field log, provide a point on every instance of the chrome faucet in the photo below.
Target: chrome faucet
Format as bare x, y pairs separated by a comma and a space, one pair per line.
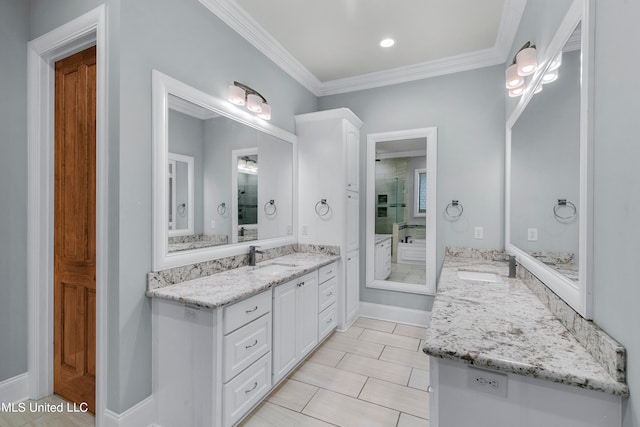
252, 255
512, 266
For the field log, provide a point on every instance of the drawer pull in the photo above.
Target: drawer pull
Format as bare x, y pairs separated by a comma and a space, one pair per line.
255, 384
330, 320
329, 294
300, 284
330, 271
252, 310
252, 345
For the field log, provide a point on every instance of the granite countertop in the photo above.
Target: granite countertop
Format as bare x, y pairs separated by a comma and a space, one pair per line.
237, 284
505, 327
379, 238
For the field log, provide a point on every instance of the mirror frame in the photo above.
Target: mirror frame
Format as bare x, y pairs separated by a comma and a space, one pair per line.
578, 295
162, 87
190, 194
431, 134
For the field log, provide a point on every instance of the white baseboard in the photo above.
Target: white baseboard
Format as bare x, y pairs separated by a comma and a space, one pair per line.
392, 313
15, 389
141, 414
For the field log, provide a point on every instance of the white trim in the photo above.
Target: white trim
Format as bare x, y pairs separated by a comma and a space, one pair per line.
578, 295
397, 154
162, 86
74, 36
416, 192
15, 389
431, 135
185, 107
391, 313
240, 21
189, 160
141, 414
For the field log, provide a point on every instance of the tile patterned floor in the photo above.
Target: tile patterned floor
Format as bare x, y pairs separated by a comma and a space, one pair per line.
407, 273
34, 418
374, 374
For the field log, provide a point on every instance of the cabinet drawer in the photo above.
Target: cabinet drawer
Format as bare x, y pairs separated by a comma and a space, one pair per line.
245, 311
245, 345
327, 272
327, 294
327, 321
245, 390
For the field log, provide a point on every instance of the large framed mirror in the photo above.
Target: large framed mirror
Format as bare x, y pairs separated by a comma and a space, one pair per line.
401, 210
549, 160
223, 179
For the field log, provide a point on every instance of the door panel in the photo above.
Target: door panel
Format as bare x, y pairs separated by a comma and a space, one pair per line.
74, 228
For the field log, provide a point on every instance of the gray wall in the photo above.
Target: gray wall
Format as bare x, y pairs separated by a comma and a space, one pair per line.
616, 176
468, 110
14, 27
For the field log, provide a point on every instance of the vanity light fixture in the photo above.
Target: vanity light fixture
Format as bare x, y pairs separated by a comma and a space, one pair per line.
524, 64
241, 94
550, 76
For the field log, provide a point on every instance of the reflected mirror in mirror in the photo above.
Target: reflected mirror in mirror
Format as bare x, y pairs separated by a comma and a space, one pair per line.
400, 211
545, 167
226, 205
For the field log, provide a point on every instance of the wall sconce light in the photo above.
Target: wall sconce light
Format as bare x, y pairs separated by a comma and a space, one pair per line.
241, 94
524, 64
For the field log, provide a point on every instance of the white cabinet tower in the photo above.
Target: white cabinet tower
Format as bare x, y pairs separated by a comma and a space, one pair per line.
328, 169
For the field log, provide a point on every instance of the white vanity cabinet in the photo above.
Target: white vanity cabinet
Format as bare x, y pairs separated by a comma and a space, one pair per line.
383, 259
327, 291
328, 169
295, 323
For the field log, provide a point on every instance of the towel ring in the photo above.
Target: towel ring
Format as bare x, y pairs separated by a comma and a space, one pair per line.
454, 205
322, 207
270, 208
222, 208
565, 203
182, 208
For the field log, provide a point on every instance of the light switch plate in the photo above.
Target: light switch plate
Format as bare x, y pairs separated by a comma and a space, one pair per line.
532, 234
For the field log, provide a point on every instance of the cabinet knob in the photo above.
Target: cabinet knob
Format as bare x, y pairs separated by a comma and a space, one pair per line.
429, 389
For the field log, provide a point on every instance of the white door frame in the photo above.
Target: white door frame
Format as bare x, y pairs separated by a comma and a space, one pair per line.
74, 36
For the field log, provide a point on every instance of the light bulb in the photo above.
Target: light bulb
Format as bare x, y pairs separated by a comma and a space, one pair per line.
527, 62
236, 95
387, 42
254, 103
515, 92
265, 112
513, 80
549, 77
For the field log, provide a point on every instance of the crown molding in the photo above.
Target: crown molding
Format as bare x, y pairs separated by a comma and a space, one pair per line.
241, 22
236, 17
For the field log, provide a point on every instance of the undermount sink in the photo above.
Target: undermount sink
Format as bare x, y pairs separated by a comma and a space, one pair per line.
479, 276
275, 268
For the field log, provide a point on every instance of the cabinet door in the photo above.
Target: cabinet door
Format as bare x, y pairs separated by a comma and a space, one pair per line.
307, 314
352, 294
284, 329
352, 144
352, 231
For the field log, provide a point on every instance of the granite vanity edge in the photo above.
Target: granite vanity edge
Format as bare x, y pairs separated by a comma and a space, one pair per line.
171, 276
610, 387
604, 349
242, 293
616, 386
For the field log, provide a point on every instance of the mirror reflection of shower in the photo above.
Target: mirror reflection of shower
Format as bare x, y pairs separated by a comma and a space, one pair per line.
400, 217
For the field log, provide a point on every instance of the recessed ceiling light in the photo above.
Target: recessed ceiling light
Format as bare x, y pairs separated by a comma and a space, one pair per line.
387, 42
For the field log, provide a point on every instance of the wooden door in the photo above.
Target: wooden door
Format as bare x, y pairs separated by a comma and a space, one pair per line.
74, 232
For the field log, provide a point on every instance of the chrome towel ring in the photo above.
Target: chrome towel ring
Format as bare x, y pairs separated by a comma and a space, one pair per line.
270, 208
222, 208
182, 208
322, 207
564, 203
454, 210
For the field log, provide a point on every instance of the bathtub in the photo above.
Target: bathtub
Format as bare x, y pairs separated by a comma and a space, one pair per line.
412, 252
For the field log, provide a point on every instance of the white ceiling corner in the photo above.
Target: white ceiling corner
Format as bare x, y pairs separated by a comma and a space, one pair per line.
240, 21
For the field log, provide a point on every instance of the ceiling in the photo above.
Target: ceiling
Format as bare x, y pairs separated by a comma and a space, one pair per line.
331, 46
